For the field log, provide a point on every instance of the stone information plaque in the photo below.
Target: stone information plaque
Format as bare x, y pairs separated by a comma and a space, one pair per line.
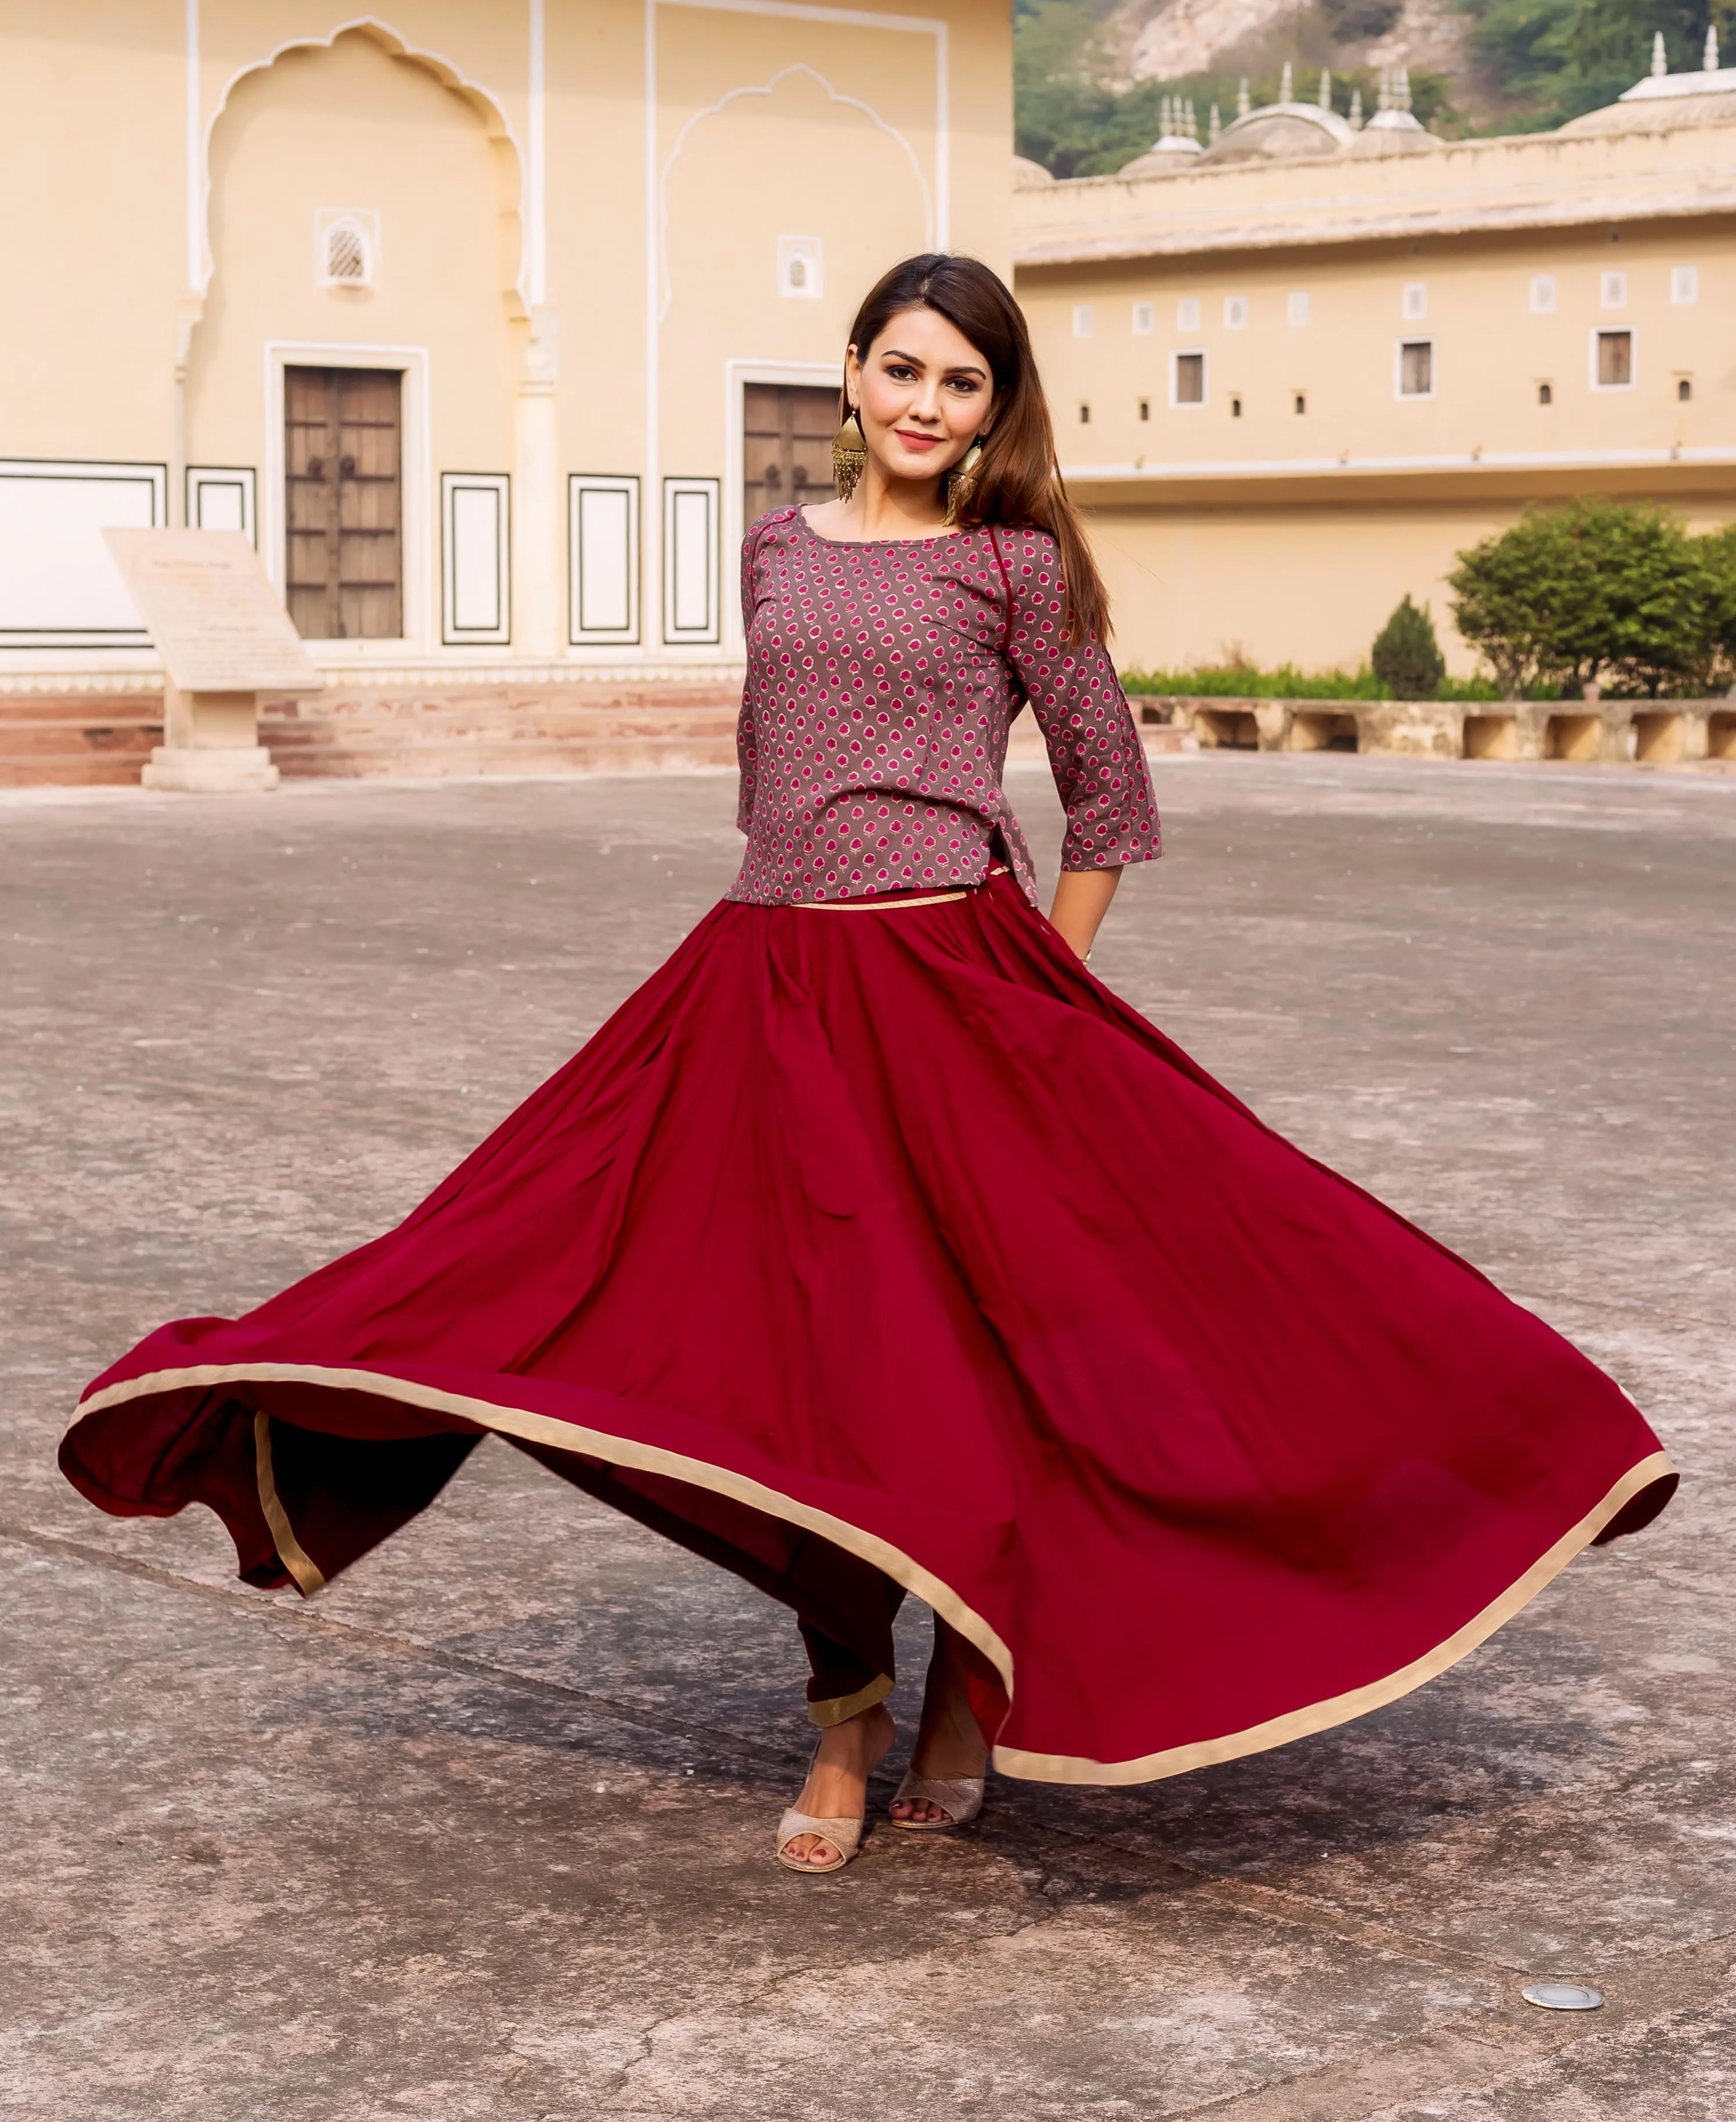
214, 618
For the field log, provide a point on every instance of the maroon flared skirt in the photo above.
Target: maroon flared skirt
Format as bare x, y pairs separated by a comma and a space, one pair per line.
887, 1231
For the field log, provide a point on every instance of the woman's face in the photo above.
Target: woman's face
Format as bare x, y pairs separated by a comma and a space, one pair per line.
923, 394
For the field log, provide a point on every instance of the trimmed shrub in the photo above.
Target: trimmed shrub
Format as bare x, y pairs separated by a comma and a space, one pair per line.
1406, 656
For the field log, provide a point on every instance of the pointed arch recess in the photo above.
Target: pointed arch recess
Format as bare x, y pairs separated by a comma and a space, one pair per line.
445, 71
666, 285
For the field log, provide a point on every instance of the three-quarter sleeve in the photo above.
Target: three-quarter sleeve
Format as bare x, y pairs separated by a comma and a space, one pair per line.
747, 749
1094, 751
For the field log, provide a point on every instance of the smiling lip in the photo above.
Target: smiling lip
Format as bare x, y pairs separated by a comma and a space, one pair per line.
916, 441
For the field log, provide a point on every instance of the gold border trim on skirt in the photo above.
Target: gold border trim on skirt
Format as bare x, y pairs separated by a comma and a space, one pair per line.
902, 1568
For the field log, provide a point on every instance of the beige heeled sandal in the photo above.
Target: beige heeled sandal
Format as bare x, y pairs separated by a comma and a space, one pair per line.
845, 1836
960, 1797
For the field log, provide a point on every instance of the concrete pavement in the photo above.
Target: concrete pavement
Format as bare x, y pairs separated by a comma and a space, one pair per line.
484, 1831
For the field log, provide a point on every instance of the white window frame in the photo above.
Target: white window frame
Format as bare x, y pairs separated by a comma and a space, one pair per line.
1178, 355
1543, 295
1235, 313
1085, 319
205, 478
1298, 306
811, 252
1612, 289
1416, 397
579, 483
676, 491
417, 493
1684, 284
1413, 304
1598, 332
1187, 313
151, 485
1145, 319
452, 484
365, 220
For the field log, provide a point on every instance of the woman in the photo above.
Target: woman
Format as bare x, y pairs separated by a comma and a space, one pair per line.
874, 1247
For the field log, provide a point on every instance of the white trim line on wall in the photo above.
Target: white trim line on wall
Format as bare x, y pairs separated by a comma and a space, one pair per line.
416, 470
195, 158
737, 375
535, 287
1350, 467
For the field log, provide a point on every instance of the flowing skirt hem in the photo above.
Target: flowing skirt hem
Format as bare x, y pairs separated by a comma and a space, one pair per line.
1655, 1470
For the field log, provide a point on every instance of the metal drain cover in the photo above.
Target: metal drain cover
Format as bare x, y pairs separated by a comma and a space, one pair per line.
1564, 1996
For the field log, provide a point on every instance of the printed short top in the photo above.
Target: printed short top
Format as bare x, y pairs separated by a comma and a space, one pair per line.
882, 677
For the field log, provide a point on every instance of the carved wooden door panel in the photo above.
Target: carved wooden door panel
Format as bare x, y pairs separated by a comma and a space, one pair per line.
342, 458
786, 453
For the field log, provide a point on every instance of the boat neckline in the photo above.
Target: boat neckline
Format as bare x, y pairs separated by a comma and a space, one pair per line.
935, 538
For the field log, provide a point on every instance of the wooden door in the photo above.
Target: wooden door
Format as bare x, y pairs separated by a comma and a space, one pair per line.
786, 454
344, 501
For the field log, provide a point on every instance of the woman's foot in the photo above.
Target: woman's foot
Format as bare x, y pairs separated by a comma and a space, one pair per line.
949, 1744
837, 1787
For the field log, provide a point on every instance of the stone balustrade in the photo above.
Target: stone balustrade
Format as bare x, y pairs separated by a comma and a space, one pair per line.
1649, 733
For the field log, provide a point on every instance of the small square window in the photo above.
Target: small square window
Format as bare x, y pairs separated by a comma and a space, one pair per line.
1612, 291
1542, 293
1236, 311
1235, 409
1299, 305
1546, 393
1145, 319
1085, 416
1416, 368
800, 268
1085, 319
1684, 388
1145, 408
1416, 303
1615, 360
1187, 314
1684, 283
1189, 379
1301, 401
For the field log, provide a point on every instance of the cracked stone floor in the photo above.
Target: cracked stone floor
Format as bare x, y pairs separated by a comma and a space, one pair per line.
485, 1831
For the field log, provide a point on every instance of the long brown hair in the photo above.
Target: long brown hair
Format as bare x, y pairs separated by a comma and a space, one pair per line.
1020, 481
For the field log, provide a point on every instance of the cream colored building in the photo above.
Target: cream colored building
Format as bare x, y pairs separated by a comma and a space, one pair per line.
1296, 371
486, 319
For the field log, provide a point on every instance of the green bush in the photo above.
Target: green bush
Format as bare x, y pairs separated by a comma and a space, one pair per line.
1247, 681
1406, 656
1598, 591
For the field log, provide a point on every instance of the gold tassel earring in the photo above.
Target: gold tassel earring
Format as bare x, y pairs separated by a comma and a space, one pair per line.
849, 457
963, 483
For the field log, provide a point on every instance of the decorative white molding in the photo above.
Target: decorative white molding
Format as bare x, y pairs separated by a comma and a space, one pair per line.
416, 476
223, 497
476, 563
535, 276
769, 87
856, 18
603, 575
1154, 471
59, 587
195, 156
691, 611
17, 682
939, 204
200, 262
